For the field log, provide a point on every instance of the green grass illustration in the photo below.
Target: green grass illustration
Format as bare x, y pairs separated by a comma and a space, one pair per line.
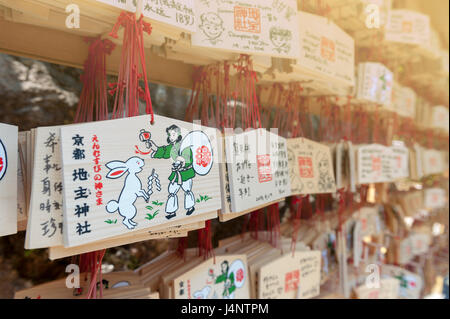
157, 203
150, 216
110, 221
203, 198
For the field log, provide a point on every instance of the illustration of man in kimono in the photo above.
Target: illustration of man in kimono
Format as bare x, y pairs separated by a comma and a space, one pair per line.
228, 279
182, 171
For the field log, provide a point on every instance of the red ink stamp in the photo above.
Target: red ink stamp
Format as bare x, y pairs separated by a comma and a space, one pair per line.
247, 19
264, 169
203, 156
305, 166
292, 281
407, 26
328, 49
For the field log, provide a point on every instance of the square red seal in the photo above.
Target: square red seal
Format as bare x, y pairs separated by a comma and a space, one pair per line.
328, 49
291, 281
305, 166
247, 19
264, 169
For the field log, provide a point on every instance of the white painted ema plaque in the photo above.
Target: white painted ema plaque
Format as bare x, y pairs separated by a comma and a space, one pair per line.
263, 27
127, 175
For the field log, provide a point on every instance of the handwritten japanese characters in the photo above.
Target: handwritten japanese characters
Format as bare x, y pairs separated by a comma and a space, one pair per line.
432, 161
45, 220
399, 157
375, 83
8, 179
370, 164
408, 27
177, 13
291, 276
440, 118
378, 163
257, 167
404, 100
265, 27
435, 198
127, 175
326, 51
226, 278
310, 167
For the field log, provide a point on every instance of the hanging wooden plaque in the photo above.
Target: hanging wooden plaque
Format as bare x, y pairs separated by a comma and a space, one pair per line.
310, 167
264, 27
126, 175
8, 179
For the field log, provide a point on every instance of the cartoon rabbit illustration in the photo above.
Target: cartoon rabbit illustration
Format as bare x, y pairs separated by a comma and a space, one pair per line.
203, 293
131, 190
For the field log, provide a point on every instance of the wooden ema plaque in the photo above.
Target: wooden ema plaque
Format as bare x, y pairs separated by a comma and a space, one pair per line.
257, 169
125, 175
221, 277
262, 27
8, 179
310, 167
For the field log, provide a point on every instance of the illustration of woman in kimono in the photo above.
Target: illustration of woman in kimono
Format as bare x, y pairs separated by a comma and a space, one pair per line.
182, 171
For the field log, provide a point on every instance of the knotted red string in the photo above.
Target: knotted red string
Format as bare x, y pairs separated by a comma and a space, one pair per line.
93, 103
246, 89
91, 263
127, 90
181, 248
320, 205
93, 106
274, 224
205, 248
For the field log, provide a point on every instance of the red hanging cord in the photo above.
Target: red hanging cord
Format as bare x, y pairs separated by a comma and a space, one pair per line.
127, 90
93, 107
181, 248
93, 104
297, 200
205, 248
274, 224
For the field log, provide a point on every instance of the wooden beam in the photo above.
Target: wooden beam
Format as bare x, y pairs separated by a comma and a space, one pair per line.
37, 10
70, 49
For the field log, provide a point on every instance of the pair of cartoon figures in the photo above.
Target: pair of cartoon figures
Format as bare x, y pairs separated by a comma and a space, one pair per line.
212, 27
183, 172
324, 183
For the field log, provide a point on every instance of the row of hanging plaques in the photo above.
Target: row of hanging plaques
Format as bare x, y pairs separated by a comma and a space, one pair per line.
236, 25
322, 51
246, 266
104, 184
375, 83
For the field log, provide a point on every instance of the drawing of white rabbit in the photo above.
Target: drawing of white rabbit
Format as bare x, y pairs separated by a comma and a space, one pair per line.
131, 190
